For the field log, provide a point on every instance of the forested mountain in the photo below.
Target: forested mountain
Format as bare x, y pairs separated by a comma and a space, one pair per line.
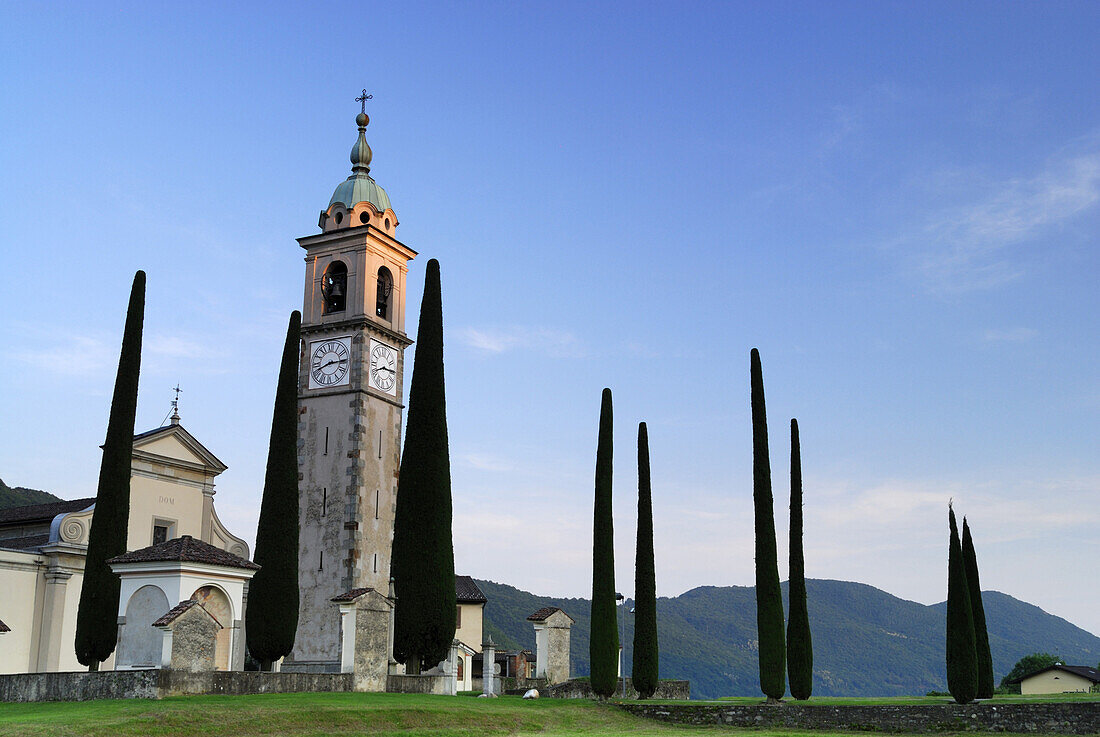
866, 642
19, 496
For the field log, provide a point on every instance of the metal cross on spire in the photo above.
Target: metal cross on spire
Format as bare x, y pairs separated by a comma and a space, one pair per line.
362, 100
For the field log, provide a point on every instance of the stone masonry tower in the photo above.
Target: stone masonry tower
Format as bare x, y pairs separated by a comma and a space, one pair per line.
349, 405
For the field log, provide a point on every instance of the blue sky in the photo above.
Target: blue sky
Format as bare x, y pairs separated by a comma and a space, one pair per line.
897, 203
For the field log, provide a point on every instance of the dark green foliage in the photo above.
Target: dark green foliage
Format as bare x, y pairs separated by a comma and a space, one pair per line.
97, 618
423, 562
977, 610
18, 496
603, 648
644, 667
769, 597
962, 659
800, 650
706, 633
1029, 664
272, 613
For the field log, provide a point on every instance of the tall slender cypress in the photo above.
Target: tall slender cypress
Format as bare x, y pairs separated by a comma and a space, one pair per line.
962, 660
644, 667
97, 617
800, 650
769, 597
603, 647
272, 614
423, 561
977, 609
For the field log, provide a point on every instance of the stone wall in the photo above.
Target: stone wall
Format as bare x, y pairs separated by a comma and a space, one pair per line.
582, 689
155, 684
433, 684
1043, 718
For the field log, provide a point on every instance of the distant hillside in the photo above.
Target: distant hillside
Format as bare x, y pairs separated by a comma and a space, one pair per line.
866, 642
19, 496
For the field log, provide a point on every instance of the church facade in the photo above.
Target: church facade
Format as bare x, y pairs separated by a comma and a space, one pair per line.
42, 548
350, 405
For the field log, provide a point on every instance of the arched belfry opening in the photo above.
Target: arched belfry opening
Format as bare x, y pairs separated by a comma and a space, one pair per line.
383, 307
334, 287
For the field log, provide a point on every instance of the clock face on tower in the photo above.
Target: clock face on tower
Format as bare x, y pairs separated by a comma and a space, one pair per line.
329, 362
383, 367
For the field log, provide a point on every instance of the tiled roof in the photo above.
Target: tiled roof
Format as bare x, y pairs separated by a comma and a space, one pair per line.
186, 549
467, 591
4, 627
172, 614
24, 543
351, 595
44, 512
544, 614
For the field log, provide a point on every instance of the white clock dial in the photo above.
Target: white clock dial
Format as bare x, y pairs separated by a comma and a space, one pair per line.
383, 367
329, 362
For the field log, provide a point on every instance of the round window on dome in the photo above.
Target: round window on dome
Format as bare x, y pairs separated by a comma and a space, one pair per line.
339, 218
364, 217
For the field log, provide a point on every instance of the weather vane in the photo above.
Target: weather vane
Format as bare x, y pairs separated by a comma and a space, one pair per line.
362, 100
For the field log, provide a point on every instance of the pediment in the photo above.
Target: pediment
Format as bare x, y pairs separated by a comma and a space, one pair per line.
174, 443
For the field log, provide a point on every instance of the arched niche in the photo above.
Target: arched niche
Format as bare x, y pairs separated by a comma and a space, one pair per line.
384, 303
215, 601
140, 645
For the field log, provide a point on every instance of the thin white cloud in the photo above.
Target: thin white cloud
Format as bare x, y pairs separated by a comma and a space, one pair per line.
70, 355
1009, 335
173, 346
555, 343
486, 462
965, 246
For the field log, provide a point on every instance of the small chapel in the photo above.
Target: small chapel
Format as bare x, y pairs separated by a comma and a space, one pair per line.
43, 546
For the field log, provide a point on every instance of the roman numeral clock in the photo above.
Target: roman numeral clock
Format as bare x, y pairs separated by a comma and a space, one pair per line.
349, 405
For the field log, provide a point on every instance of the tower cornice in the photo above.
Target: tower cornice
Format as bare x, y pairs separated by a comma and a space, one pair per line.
355, 236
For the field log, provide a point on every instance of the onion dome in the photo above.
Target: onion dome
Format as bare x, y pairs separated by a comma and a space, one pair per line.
359, 187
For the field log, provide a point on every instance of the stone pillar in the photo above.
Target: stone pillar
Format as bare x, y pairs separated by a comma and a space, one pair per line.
53, 616
488, 667
450, 670
557, 647
366, 637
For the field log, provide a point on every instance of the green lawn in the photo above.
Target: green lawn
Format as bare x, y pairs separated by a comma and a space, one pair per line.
272, 715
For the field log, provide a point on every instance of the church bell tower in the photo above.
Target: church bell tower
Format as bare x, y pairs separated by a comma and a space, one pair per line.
349, 404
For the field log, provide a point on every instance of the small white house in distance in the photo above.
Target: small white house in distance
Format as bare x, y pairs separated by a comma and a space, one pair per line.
1060, 678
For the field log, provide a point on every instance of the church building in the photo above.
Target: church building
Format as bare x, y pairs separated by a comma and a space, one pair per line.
42, 549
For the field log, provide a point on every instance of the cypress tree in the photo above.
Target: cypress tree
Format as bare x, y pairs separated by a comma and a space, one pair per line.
603, 647
644, 666
962, 660
800, 650
272, 614
769, 597
97, 617
423, 552
977, 609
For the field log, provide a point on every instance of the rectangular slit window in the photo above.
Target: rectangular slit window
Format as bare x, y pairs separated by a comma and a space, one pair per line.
324, 500
379, 443
326, 441
376, 562
377, 495
321, 561
160, 534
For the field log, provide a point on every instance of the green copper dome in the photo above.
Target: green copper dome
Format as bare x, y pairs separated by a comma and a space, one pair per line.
359, 187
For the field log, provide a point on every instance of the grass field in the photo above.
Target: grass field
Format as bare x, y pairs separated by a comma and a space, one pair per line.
273, 715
